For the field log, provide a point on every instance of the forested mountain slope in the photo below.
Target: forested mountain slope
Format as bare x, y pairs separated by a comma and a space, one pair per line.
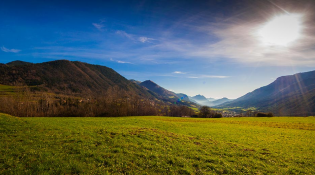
64, 76
287, 95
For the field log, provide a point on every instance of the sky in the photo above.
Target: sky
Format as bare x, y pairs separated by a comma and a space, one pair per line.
216, 48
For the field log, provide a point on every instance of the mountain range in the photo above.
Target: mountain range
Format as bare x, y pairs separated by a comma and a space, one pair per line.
287, 95
74, 77
292, 95
202, 100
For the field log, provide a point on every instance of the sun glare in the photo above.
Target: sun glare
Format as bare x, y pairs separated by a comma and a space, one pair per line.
281, 30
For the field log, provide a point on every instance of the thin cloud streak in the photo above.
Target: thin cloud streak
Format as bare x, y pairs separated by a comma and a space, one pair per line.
154, 74
4, 49
207, 76
179, 72
98, 26
144, 39
119, 61
134, 56
125, 34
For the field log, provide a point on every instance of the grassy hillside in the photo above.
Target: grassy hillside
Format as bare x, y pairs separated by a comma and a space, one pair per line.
164, 145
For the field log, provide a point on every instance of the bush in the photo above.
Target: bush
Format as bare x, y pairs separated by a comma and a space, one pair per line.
217, 115
261, 114
269, 114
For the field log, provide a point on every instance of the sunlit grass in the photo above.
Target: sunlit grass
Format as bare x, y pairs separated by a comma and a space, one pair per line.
164, 145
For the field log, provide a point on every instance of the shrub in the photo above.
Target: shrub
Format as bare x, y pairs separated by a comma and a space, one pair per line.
269, 114
217, 115
261, 114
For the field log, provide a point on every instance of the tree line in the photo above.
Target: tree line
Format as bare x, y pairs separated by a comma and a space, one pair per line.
112, 103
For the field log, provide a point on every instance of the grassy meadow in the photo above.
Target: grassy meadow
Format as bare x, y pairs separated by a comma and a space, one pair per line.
157, 145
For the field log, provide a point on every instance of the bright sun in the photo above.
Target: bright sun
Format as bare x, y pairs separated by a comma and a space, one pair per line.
281, 30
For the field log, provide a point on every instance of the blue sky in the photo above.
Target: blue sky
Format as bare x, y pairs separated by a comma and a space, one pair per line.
193, 47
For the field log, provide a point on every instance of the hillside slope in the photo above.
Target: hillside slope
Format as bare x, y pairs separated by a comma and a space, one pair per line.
166, 95
287, 95
158, 89
64, 76
220, 101
18, 63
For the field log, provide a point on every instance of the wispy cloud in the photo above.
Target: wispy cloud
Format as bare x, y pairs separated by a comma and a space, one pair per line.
4, 49
192, 75
238, 42
144, 39
119, 61
99, 26
207, 76
189, 76
123, 62
179, 72
225, 41
125, 34
131, 56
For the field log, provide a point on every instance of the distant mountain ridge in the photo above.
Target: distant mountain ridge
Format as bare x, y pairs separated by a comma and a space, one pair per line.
287, 95
220, 101
202, 100
157, 89
167, 95
211, 99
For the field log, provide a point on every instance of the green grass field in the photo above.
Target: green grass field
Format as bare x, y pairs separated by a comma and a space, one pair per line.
157, 145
